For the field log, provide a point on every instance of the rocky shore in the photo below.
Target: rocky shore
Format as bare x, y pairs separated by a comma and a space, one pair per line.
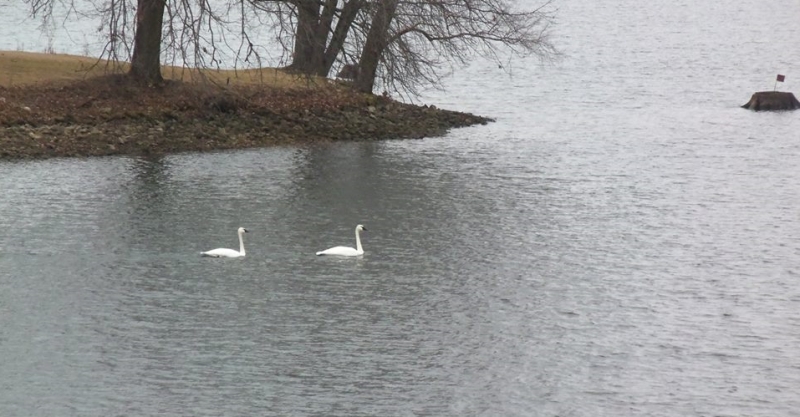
110, 116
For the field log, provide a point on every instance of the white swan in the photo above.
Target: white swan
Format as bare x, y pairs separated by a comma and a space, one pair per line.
344, 250
228, 253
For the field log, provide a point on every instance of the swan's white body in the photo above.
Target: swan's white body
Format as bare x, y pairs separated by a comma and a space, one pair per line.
345, 250
228, 253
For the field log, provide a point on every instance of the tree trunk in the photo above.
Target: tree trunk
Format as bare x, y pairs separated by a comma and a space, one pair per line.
312, 53
377, 40
313, 28
346, 19
321, 37
146, 60
304, 40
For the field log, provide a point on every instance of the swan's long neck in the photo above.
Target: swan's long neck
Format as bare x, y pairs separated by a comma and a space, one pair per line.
358, 242
241, 244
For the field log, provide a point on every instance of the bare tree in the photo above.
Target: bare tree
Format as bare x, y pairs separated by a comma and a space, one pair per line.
398, 44
404, 44
425, 35
145, 32
319, 29
145, 56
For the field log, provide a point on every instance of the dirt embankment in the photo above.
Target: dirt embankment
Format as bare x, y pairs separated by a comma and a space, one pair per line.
109, 115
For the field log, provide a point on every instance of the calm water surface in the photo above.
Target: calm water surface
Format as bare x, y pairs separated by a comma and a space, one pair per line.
624, 240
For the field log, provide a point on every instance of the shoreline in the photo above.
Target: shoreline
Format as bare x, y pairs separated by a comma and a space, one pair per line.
164, 136
108, 115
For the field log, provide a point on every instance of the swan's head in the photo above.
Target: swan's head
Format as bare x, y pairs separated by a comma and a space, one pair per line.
360, 227
242, 230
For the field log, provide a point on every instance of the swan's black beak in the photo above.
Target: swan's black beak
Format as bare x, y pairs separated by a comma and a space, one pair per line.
246, 231
363, 228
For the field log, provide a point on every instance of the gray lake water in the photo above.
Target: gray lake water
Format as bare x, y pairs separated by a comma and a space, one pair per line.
624, 240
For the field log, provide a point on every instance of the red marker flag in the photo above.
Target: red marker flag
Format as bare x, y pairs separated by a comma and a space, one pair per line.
781, 78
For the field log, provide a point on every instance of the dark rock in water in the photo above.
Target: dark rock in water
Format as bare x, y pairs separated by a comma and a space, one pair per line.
772, 100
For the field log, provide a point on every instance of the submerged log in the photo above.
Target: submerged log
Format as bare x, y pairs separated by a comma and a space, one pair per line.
772, 100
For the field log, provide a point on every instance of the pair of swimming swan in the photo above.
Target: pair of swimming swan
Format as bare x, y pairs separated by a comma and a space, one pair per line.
336, 250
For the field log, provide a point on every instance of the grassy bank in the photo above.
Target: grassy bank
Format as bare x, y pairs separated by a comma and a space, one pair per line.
61, 105
20, 69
